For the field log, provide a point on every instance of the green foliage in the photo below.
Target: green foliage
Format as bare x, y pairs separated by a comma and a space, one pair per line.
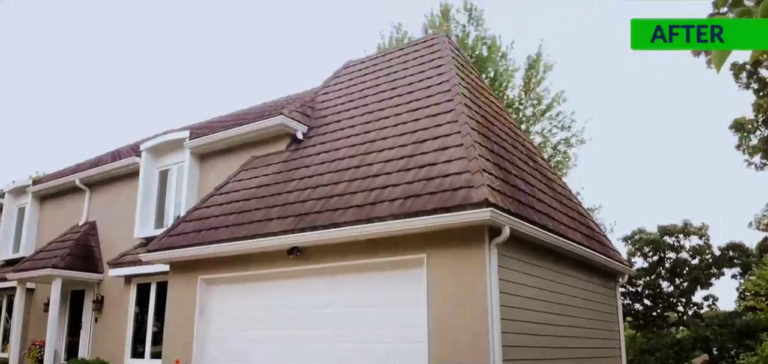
674, 265
87, 361
539, 110
664, 346
754, 290
759, 356
760, 221
741, 258
726, 335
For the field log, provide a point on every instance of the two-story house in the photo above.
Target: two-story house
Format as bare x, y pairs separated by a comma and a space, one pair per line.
393, 214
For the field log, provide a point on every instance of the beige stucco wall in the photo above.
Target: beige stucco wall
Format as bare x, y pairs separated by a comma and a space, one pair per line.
457, 289
216, 167
113, 206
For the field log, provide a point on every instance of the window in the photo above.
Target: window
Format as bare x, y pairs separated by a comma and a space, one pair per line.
168, 195
6, 305
18, 229
147, 322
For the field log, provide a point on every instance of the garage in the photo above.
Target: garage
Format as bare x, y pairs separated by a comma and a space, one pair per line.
367, 311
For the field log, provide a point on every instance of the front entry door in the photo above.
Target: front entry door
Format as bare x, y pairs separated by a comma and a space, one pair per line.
74, 324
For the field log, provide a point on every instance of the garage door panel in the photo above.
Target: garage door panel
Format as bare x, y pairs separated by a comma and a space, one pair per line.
336, 314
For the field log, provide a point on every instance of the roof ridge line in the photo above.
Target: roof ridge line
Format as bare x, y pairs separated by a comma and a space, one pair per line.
84, 227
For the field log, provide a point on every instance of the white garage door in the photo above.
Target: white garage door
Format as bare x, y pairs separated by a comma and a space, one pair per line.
374, 312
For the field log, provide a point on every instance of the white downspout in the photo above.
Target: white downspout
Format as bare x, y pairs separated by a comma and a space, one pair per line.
494, 310
86, 203
620, 311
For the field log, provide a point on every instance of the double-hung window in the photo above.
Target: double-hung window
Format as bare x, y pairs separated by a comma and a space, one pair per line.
145, 339
168, 195
6, 305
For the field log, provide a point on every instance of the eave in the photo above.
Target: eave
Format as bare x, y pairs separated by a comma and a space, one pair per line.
486, 216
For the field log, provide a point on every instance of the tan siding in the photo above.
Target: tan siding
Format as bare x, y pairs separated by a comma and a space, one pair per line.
555, 309
456, 289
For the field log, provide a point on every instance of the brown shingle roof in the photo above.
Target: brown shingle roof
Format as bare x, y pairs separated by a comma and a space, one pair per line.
290, 106
130, 257
77, 249
410, 132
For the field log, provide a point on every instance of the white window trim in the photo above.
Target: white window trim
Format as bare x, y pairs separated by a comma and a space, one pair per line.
3, 307
175, 172
11, 253
150, 318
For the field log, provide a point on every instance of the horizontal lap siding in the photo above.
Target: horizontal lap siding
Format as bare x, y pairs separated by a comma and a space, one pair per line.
555, 309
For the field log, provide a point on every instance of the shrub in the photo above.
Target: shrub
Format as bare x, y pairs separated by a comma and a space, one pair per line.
87, 361
35, 352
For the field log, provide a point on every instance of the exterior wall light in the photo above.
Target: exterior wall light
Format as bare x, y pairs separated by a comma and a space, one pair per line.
98, 303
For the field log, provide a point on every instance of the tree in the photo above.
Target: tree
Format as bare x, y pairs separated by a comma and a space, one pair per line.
753, 296
539, 110
752, 75
674, 265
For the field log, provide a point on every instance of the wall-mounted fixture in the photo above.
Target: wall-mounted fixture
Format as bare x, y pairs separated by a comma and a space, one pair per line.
293, 252
47, 304
98, 303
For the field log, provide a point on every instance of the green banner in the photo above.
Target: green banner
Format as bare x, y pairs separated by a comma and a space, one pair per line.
700, 34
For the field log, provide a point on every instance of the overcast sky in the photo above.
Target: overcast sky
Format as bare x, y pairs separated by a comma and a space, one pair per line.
79, 78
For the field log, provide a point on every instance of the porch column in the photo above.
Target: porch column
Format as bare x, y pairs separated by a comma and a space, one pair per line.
17, 322
52, 330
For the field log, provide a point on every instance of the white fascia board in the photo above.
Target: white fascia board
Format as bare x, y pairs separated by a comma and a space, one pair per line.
14, 284
322, 237
165, 138
17, 185
56, 273
555, 241
139, 270
383, 229
122, 166
277, 125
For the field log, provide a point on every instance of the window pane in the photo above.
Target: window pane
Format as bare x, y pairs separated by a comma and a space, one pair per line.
140, 316
162, 197
7, 318
179, 186
19, 229
158, 324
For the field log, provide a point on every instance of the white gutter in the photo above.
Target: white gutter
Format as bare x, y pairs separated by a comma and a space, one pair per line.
139, 270
86, 202
388, 228
495, 301
262, 129
114, 168
620, 312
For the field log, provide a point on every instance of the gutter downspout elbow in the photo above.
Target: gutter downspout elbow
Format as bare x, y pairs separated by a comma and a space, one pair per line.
494, 302
86, 203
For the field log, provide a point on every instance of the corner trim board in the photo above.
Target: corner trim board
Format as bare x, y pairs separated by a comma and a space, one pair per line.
387, 228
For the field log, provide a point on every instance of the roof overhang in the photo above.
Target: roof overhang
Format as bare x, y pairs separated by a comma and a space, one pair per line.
114, 169
486, 216
165, 138
48, 274
139, 270
263, 129
16, 185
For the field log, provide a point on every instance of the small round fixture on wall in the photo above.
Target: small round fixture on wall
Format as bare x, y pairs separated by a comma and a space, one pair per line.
293, 252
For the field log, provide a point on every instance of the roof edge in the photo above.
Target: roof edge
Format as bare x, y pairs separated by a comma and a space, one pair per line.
483, 216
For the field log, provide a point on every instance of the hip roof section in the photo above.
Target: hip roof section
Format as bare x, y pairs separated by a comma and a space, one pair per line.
410, 132
77, 249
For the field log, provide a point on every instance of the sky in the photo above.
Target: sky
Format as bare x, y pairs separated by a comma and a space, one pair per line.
79, 78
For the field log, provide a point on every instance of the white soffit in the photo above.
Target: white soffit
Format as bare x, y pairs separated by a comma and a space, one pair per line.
114, 169
278, 125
